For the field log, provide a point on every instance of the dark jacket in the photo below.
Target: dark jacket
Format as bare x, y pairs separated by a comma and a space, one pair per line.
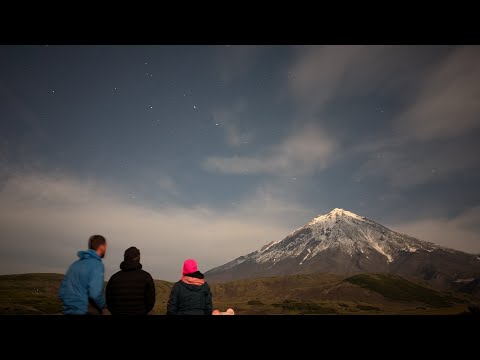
190, 299
130, 291
81, 290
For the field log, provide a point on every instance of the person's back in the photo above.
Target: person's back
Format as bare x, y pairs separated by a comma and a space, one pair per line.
191, 295
130, 291
81, 290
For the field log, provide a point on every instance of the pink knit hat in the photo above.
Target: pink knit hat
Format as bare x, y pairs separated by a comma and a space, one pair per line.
189, 267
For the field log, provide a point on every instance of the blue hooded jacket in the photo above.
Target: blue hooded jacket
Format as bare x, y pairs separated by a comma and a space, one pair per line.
83, 283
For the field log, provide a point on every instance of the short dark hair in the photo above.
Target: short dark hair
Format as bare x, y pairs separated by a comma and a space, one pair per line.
95, 241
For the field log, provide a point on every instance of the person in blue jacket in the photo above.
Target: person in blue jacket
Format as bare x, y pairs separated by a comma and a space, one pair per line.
81, 291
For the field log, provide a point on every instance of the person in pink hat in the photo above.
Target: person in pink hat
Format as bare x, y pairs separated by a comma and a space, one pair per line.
190, 295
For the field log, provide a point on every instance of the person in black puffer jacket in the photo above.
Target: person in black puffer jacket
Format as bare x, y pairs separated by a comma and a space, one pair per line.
191, 295
130, 291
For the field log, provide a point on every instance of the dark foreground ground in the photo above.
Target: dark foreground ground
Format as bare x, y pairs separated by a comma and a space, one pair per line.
316, 294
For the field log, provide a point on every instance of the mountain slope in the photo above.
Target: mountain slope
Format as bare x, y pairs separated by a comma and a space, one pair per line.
345, 243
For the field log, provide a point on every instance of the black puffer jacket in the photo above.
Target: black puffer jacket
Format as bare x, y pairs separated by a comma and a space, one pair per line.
130, 291
190, 299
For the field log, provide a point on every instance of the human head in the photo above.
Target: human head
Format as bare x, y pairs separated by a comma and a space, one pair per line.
99, 244
132, 254
189, 267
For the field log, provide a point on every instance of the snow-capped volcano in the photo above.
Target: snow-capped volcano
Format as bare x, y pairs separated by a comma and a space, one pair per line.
344, 242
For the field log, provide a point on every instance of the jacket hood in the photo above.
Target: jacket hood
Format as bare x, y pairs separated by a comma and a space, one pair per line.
192, 280
88, 254
191, 286
129, 265
196, 274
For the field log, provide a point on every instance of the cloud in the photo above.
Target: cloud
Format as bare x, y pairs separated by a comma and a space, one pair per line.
271, 203
305, 151
46, 219
320, 73
443, 106
229, 120
405, 164
460, 232
23, 114
168, 185
447, 104
236, 61
437, 86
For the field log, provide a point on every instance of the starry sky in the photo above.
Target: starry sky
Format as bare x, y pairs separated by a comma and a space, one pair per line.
211, 152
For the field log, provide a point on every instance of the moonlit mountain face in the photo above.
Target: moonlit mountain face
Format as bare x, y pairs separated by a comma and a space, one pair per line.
343, 242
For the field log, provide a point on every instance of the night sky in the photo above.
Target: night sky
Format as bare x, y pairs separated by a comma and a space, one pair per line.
211, 152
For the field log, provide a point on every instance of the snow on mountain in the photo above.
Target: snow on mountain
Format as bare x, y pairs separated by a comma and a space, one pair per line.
344, 242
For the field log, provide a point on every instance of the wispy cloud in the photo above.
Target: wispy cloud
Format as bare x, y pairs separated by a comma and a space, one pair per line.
405, 166
25, 114
447, 104
460, 232
439, 104
321, 73
236, 61
306, 151
46, 219
167, 184
229, 119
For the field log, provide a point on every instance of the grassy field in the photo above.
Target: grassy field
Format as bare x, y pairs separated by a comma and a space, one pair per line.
396, 288
295, 294
30, 294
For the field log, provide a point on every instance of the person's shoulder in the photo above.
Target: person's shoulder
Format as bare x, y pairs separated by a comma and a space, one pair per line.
116, 275
92, 263
177, 284
206, 286
146, 274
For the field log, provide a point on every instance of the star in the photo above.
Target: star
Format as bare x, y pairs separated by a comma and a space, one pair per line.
151, 107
